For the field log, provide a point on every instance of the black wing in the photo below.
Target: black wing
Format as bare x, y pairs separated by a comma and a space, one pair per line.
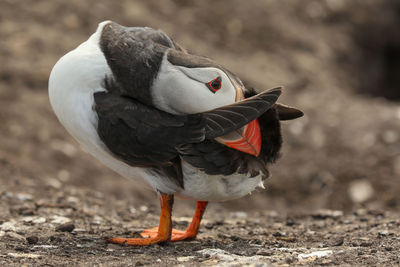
144, 135
226, 119
141, 135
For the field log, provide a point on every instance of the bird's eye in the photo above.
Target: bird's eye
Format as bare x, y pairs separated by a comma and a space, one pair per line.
214, 85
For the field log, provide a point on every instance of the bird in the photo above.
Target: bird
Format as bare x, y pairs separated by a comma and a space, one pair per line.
175, 122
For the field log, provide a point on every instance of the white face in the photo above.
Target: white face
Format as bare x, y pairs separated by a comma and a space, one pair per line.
181, 90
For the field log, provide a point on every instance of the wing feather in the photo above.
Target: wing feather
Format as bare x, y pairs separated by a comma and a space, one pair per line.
240, 113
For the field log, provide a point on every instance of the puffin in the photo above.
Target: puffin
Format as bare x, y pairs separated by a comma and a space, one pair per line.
177, 123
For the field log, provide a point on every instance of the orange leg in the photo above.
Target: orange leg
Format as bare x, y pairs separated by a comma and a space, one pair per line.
163, 231
191, 230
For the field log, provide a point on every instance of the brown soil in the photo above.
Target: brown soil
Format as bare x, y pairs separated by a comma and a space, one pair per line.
343, 156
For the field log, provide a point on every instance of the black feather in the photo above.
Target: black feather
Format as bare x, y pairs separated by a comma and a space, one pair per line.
223, 120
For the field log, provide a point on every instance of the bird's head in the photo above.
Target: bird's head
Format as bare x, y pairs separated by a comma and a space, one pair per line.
182, 89
154, 69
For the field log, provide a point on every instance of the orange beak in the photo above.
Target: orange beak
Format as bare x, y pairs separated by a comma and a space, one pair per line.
246, 139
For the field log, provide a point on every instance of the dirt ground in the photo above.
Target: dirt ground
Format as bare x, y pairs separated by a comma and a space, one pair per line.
334, 195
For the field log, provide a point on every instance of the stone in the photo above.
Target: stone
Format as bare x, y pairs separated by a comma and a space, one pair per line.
8, 226
360, 191
67, 227
32, 239
60, 219
314, 255
23, 255
325, 213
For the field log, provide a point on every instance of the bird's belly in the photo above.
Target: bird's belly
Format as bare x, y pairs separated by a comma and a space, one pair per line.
200, 186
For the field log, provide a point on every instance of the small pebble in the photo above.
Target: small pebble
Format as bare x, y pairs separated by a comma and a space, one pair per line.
24, 255
334, 242
383, 233
25, 211
264, 252
290, 222
18, 248
365, 244
219, 222
32, 239
234, 238
8, 226
143, 208
221, 235
337, 242
360, 191
60, 219
208, 226
24, 196
324, 214
277, 234
67, 227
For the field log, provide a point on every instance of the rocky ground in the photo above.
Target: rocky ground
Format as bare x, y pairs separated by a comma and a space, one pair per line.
334, 196
71, 229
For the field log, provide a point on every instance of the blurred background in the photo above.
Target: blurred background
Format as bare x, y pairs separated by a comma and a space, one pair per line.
338, 60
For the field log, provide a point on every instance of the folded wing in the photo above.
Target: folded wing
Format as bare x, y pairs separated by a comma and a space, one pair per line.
142, 135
